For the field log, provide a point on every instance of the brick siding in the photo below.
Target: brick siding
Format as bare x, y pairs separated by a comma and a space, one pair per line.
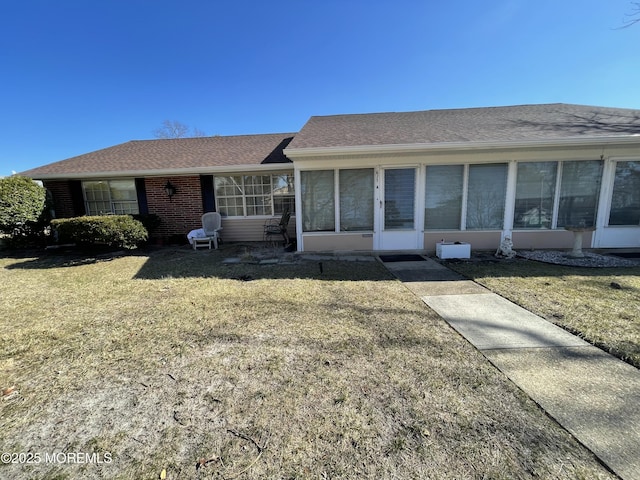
183, 212
62, 201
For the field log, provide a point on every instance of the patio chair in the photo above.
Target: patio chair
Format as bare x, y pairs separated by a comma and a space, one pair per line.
212, 226
273, 226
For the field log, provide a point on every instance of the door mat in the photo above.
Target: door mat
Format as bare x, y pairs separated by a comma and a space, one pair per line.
402, 258
627, 254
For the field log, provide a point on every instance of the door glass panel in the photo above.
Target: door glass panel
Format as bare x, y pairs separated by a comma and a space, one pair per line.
625, 203
399, 199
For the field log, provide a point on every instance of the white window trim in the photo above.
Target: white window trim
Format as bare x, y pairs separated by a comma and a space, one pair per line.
244, 195
111, 201
336, 199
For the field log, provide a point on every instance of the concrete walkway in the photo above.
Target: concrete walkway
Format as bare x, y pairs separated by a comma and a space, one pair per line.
593, 395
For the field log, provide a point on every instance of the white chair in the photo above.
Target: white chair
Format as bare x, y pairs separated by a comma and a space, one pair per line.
212, 226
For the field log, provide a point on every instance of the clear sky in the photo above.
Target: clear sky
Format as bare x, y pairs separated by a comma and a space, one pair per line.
81, 75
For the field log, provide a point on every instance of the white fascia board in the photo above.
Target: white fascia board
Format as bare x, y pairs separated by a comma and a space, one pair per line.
175, 172
300, 153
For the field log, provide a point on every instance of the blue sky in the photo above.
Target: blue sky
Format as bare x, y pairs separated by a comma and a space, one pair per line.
79, 75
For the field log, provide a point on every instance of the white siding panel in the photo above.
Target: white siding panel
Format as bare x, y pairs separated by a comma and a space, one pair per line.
249, 229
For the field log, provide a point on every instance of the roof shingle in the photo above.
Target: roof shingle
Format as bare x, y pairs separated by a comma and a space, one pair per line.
193, 154
492, 124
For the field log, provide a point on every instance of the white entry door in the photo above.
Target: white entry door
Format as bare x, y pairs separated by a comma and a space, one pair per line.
397, 212
619, 218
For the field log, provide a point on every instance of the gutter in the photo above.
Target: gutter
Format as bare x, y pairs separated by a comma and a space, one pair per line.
299, 153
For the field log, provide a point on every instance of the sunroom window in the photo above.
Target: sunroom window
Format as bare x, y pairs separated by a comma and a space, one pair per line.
356, 200
486, 195
535, 194
104, 197
443, 201
579, 192
318, 201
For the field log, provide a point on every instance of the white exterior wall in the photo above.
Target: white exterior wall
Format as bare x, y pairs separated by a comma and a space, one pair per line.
603, 237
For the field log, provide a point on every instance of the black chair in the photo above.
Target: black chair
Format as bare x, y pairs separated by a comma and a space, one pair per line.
275, 227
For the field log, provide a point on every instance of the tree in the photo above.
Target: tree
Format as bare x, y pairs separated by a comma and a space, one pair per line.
634, 16
22, 205
176, 129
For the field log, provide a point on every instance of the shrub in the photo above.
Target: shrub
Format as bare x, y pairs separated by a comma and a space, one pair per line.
121, 231
22, 206
151, 221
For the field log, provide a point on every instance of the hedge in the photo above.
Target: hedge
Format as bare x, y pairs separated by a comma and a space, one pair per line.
22, 204
121, 231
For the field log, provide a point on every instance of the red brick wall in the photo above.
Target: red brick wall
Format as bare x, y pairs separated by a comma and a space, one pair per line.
179, 216
183, 213
62, 201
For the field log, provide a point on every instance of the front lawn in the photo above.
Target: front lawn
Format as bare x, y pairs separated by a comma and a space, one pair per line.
172, 361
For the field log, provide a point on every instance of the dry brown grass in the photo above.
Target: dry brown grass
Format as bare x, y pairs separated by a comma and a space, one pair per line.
170, 360
581, 300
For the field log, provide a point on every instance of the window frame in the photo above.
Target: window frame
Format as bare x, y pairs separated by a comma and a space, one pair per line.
459, 198
113, 203
555, 188
340, 217
251, 190
464, 197
503, 199
336, 200
558, 192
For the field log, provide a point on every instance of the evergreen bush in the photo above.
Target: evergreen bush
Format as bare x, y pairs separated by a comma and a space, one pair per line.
22, 207
121, 231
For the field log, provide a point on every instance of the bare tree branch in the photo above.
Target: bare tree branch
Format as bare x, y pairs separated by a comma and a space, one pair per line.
171, 129
633, 16
176, 129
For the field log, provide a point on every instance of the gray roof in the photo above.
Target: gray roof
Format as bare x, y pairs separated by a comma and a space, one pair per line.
172, 155
523, 123
493, 124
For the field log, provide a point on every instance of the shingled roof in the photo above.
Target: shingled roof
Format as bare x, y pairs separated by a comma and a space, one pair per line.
182, 155
494, 124
439, 128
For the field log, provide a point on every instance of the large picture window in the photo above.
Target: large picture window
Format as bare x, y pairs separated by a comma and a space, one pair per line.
625, 202
105, 197
535, 194
254, 195
356, 200
443, 201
